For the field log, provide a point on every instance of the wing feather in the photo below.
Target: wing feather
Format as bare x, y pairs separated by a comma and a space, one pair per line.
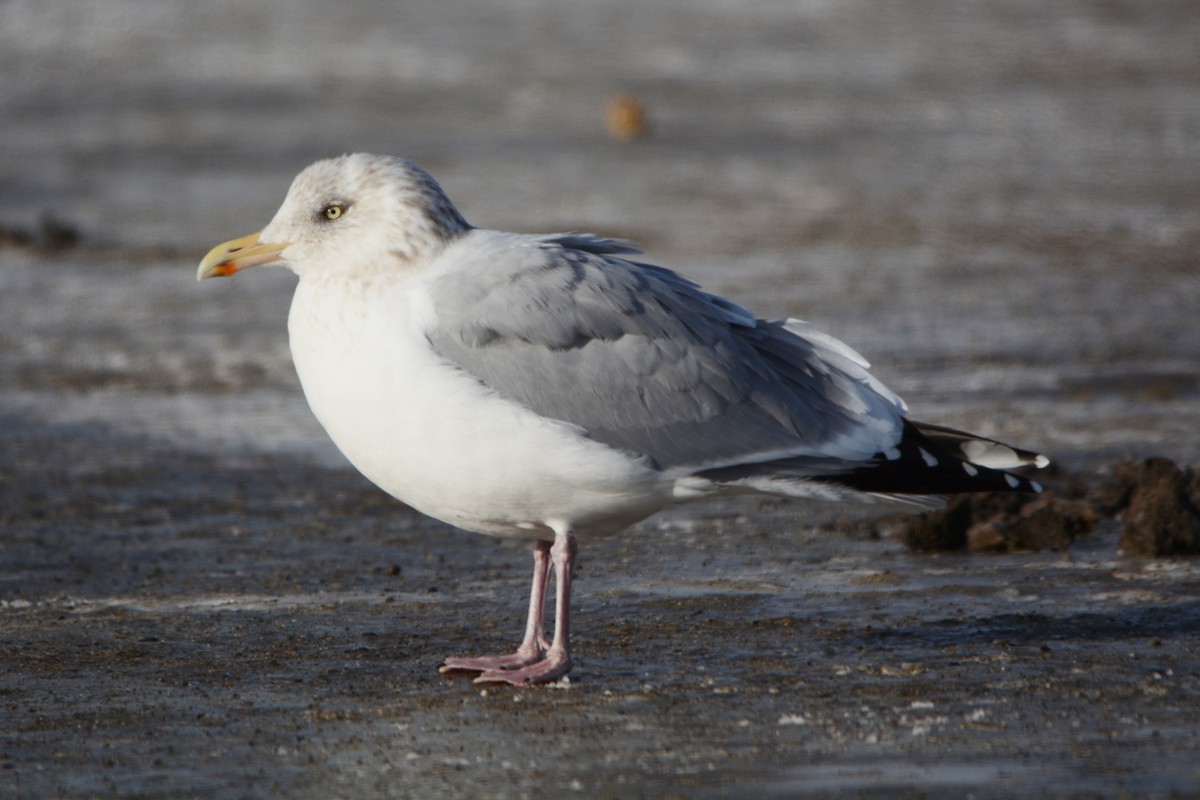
645, 361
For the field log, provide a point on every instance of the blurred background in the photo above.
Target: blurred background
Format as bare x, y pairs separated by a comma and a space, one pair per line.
789, 126
993, 198
998, 203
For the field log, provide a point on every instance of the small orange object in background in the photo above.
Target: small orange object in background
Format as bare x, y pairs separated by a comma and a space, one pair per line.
625, 117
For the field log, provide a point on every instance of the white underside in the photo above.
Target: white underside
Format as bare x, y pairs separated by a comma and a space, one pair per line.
434, 437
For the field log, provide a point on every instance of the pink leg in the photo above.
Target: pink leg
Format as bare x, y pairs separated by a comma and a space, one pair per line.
533, 647
557, 660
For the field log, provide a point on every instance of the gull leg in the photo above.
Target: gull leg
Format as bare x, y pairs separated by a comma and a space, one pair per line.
533, 646
557, 659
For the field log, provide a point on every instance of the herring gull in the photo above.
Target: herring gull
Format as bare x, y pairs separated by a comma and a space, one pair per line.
553, 388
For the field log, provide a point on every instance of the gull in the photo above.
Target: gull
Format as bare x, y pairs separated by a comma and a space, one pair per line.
552, 388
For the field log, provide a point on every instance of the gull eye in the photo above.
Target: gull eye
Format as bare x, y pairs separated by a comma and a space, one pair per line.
333, 211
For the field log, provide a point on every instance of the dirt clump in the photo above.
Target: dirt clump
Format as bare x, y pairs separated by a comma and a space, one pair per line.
1045, 523
999, 522
1160, 514
1156, 502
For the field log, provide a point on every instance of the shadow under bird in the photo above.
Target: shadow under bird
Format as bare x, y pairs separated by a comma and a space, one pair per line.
552, 388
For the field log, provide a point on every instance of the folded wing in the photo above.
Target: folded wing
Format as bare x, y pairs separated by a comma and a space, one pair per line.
644, 361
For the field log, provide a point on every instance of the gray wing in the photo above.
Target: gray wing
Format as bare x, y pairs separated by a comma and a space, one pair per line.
642, 360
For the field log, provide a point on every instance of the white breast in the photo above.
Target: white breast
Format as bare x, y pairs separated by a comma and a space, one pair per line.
436, 438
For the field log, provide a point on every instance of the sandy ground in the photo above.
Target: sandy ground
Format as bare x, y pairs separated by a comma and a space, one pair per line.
999, 204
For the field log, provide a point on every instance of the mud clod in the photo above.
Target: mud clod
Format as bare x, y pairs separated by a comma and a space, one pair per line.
1161, 518
1155, 500
1001, 523
1047, 523
939, 530
1111, 497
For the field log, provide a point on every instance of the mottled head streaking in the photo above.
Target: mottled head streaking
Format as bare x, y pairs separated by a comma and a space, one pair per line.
361, 201
345, 212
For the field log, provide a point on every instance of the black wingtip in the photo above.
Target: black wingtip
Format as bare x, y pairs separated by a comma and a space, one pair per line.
923, 463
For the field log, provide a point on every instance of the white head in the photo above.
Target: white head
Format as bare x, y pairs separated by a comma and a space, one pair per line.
346, 212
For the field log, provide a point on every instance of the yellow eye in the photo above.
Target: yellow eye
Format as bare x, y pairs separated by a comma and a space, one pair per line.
333, 211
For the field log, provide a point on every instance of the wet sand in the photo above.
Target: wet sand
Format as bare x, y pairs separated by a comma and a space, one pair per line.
199, 598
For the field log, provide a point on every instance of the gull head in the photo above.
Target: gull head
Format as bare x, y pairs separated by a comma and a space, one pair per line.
345, 214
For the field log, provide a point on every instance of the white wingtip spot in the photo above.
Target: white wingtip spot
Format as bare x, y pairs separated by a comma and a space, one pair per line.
930, 461
1037, 487
1041, 461
1011, 481
969, 469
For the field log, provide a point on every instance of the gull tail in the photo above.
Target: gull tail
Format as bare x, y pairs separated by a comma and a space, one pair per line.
929, 462
935, 460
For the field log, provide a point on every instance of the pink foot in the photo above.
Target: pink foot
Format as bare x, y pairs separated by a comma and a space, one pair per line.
547, 670
522, 658
534, 661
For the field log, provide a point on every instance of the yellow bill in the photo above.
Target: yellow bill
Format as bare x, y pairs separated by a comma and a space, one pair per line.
238, 254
